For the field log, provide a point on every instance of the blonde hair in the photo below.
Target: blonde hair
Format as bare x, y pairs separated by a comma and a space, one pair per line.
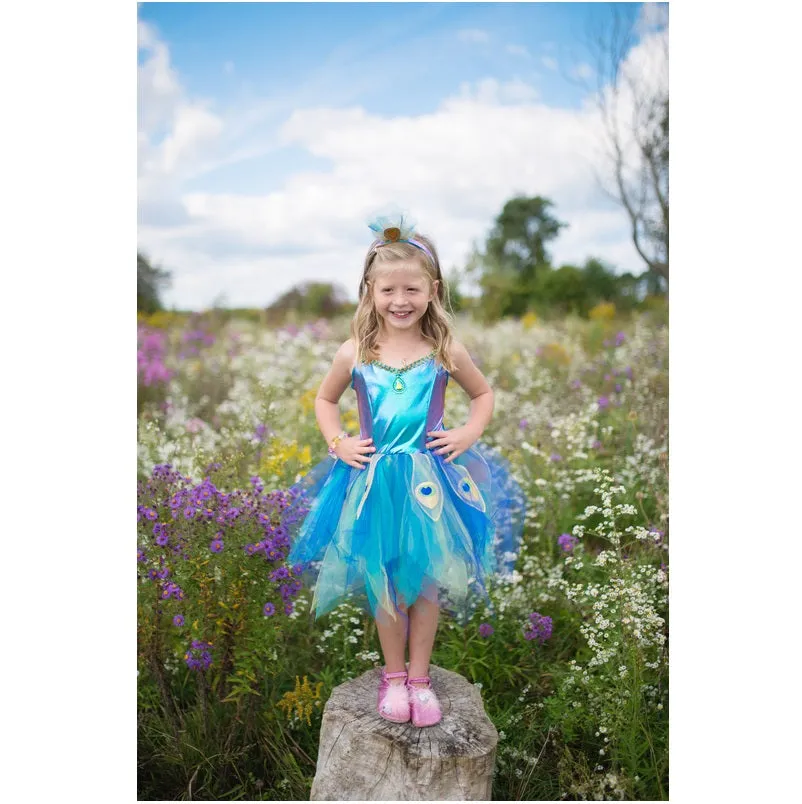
437, 321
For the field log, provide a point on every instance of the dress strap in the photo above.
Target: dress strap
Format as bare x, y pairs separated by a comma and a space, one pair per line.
397, 370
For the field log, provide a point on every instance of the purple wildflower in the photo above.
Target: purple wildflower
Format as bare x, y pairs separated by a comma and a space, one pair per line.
178, 620
567, 542
140, 555
539, 627
620, 338
171, 589
199, 656
485, 629
162, 539
288, 608
596, 444
522, 425
279, 574
603, 402
216, 545
269, 610
555, 457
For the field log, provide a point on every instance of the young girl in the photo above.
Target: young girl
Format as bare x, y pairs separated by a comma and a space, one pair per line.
408, 508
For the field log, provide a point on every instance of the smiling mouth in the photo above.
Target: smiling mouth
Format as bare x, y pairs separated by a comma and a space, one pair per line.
403, 315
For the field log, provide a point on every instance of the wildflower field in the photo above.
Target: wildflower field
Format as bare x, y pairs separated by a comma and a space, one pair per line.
233, 672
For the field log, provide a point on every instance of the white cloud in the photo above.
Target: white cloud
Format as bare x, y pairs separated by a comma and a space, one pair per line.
549, 63
517, 50
193, 128
491, 91
175, 135
582, 71
452, 168
158, 89
653, 16
473, 35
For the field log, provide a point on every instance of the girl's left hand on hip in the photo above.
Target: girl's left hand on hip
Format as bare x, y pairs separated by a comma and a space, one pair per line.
454, 442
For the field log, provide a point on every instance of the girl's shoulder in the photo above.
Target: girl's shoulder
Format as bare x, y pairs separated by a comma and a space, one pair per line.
345, 356
349, 352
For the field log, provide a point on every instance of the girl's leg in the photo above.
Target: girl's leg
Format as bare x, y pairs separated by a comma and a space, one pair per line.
393, 638
423, 618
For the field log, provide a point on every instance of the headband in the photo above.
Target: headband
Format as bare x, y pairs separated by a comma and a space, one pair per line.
394, 229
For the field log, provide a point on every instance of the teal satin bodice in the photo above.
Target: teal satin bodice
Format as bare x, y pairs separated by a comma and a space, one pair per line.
397, 409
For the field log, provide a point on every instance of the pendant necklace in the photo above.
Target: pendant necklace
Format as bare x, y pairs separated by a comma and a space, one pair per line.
398, 385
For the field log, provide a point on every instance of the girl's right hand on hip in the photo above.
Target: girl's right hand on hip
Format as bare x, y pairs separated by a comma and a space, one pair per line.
355, 452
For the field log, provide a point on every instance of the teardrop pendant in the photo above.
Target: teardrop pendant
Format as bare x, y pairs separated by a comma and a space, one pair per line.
399, 386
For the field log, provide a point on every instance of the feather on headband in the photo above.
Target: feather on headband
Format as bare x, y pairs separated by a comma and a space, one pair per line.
396, 228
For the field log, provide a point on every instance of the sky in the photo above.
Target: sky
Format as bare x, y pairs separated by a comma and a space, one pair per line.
269, 134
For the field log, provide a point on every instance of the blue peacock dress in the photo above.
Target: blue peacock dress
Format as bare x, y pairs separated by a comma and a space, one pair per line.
408, 524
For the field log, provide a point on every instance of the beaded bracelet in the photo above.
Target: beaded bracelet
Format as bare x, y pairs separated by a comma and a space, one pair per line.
336, 440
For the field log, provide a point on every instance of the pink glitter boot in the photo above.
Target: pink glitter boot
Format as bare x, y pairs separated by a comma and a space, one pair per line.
393, 700
423, 704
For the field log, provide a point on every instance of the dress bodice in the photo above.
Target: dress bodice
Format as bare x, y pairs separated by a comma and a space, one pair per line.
397, 415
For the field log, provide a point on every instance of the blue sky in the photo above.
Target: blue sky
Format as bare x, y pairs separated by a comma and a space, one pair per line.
270, 132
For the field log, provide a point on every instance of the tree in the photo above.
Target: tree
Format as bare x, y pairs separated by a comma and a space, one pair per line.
564, 289
310, 299
150, 279
601, 282
632, 99
515, 254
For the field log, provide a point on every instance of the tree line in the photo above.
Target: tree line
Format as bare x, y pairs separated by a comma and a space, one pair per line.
513, 272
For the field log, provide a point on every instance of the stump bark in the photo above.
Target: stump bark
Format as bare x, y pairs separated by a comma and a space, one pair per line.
364, 757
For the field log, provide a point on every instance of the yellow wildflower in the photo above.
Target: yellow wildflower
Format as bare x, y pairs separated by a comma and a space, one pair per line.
301, 701
308, 401
604, 311
556, 354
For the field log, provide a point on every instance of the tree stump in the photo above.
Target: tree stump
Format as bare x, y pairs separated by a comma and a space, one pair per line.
364, 757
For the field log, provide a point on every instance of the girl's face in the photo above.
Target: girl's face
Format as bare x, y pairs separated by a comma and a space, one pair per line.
402, 295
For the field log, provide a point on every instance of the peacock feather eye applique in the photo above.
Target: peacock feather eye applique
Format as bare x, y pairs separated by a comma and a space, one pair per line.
425, 486
427, 494
467, 488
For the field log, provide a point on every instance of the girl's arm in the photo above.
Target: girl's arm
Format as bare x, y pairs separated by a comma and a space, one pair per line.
338, 378
473, 382
455, 442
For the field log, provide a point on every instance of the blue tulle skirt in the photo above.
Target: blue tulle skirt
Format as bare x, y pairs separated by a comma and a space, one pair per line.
408, 525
